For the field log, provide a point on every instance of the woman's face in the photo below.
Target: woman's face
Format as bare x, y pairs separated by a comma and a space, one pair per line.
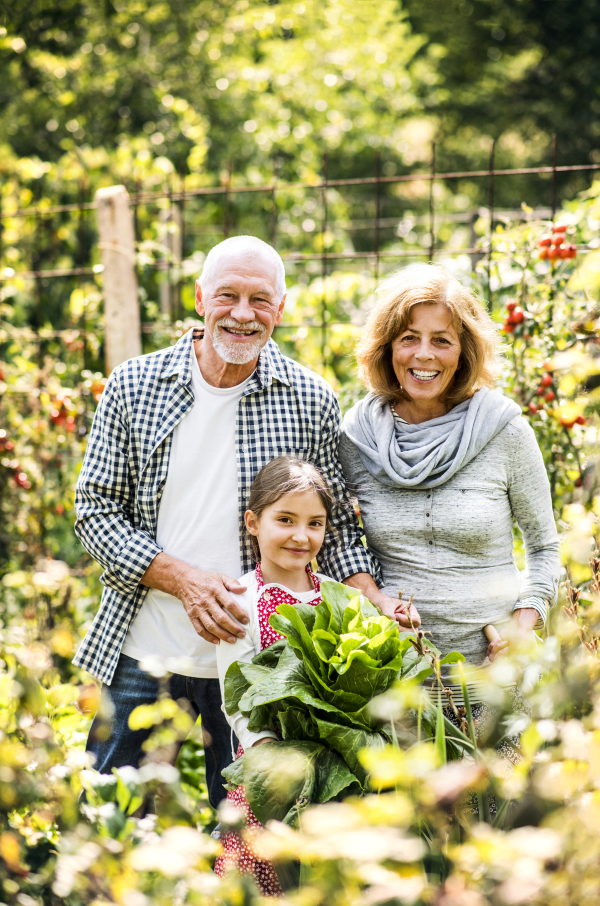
425, 356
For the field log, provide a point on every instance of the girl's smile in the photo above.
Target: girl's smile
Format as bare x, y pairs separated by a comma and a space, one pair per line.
290, 533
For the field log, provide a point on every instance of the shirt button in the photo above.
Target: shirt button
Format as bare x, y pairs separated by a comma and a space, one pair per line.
184, 407
431, 542
427, 514
428, 496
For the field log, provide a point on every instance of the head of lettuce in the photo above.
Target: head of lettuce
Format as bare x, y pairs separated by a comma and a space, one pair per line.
314, 689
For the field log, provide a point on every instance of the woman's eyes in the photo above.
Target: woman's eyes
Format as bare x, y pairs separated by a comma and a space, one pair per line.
409, 338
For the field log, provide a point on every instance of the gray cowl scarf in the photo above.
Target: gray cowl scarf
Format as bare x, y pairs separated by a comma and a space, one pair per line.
429, 454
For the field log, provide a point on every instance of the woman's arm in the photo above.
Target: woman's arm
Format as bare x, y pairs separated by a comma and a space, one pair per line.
240, 650
531, 504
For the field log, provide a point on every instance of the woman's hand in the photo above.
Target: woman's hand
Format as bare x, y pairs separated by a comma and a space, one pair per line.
515, 634
391, 607
405, 614
261, 742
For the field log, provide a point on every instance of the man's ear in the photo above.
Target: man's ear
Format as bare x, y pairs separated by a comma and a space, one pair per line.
280, 310
251, 522
199, 303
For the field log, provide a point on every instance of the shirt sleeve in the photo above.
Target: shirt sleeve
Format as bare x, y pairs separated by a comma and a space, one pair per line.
343, 553
240, 650
105, 497
531, 503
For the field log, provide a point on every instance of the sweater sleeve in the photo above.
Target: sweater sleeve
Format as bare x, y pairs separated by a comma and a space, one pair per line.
240, 650
531, 503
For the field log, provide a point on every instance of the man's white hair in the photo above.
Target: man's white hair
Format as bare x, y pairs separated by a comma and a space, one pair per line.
250, 247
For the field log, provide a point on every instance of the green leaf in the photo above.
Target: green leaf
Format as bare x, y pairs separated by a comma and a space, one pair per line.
234, 686
234, 774
454, 657
348, 742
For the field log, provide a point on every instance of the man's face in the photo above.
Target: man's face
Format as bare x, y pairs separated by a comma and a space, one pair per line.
240, 306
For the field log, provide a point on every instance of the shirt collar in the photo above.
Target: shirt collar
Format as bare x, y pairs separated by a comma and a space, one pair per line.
261, 587
271, 363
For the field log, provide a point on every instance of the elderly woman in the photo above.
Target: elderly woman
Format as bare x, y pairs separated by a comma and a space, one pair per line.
441, 464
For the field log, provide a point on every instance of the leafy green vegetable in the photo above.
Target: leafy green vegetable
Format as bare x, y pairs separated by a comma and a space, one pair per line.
315, 690
282, 778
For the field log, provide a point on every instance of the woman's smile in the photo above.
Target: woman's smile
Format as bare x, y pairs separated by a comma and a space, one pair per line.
425, 377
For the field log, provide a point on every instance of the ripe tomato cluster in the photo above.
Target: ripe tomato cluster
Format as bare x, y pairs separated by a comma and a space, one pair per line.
515, 317
545, 394
554, 246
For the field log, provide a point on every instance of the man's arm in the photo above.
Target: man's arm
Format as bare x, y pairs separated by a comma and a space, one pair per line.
104, 502
343, 553
105, 496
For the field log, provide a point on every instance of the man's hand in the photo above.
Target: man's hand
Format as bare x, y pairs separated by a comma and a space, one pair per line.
391, 607
205, 595
516, 634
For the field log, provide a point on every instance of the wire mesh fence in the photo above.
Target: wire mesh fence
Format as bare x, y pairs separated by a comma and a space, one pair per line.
365, 225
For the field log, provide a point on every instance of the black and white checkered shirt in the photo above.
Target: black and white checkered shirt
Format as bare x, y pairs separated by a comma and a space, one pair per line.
285, 409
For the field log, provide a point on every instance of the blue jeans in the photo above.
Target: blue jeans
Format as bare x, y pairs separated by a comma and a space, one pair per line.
131, 687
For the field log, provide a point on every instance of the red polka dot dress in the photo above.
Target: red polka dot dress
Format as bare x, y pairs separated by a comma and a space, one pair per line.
237, 851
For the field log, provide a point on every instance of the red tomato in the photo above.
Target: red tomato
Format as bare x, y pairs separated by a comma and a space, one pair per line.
552, 253
518, 315
580, 420
545, 241
533, 408
571, 251
560, 227
510, 306
558, 239
508, 328
546, 380
567, 423
543, 254
550, 396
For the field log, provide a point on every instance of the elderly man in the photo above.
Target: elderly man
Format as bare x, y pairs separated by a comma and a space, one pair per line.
176, 442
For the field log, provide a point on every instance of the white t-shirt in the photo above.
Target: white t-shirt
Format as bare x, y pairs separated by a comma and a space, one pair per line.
198, 522
245, 649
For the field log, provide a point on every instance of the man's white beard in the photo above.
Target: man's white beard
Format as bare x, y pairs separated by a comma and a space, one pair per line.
238, 353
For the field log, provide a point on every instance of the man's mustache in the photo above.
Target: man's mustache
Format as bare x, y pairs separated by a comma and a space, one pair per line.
237, 325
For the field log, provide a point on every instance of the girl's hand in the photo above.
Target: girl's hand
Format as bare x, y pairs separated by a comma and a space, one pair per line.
260, 742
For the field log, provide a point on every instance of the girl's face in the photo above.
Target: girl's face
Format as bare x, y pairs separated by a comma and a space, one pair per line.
290, 532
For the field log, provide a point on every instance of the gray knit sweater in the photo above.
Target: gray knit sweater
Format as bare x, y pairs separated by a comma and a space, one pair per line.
452, 546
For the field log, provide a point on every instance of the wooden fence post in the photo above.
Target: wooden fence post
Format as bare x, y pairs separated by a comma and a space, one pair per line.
122, 337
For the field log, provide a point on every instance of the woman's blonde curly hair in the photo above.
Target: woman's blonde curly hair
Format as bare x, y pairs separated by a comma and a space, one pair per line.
428, 284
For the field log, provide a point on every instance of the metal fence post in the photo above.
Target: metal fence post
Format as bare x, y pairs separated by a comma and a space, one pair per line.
122, 336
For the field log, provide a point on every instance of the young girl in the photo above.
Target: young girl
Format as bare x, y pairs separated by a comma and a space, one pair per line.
289, 511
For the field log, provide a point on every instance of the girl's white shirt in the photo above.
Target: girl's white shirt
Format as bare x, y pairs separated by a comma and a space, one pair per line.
245, 649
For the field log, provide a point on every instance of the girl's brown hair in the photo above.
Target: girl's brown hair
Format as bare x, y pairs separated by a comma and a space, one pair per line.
286, 475
428, 284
